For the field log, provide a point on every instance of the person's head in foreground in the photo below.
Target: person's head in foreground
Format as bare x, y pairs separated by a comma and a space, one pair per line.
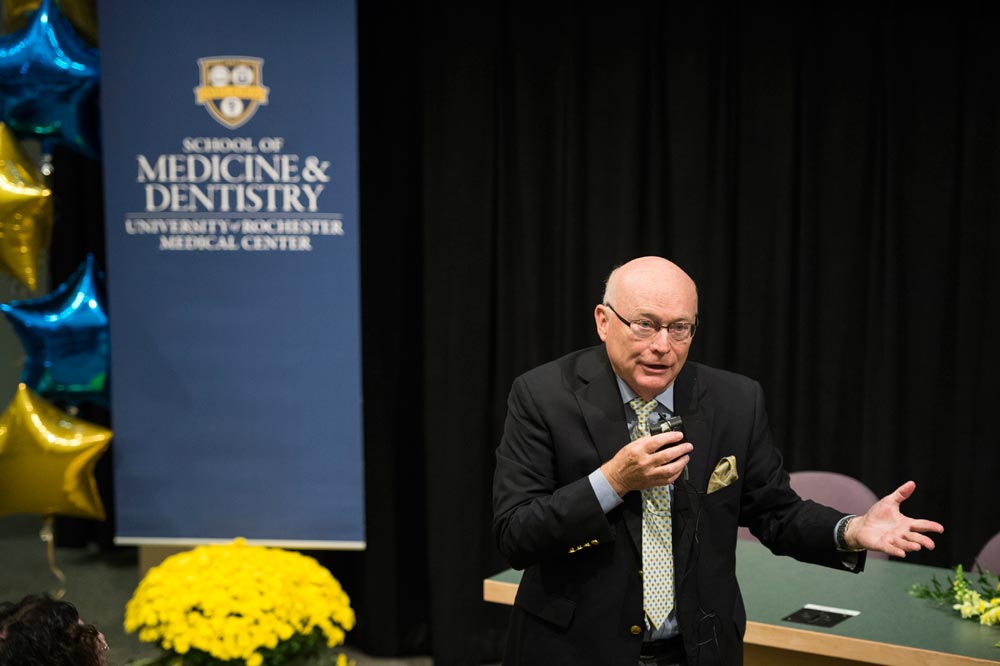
40, 631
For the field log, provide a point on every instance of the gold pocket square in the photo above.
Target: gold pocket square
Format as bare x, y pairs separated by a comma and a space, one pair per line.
723, 474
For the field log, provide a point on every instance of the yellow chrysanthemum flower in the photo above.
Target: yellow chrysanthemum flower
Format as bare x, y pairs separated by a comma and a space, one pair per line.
237, 602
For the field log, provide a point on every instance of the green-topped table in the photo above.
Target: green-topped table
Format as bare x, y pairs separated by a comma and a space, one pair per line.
892, 628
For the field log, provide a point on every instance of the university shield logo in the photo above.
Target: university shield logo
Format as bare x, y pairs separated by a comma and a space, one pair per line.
231, 88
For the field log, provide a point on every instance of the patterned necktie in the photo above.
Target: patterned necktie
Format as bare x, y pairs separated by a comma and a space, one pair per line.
657, 539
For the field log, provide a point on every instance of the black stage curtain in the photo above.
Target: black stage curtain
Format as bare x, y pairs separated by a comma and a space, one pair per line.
827, 171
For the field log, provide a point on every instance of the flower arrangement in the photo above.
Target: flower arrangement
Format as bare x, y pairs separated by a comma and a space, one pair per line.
240, 605
973, 599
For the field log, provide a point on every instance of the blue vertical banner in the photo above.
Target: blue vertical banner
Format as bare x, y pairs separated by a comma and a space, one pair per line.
231, 200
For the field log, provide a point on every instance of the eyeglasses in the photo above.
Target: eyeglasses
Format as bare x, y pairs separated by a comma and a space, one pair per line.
643, 329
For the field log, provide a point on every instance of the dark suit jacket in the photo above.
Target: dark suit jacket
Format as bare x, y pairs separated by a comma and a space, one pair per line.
580, 597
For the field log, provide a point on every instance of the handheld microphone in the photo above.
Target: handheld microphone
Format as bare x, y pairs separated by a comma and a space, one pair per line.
668, 424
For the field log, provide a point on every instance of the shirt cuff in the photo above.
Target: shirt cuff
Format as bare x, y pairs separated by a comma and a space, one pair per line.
606, 495
850, 559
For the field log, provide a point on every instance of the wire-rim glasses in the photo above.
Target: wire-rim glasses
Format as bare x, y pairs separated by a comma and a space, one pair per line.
644, 329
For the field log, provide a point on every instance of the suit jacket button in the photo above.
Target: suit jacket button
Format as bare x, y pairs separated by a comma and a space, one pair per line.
636, 630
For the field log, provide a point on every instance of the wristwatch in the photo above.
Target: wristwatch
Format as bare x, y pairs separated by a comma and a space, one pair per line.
842, 533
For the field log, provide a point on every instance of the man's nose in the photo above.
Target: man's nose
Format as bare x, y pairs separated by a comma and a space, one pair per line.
661, 342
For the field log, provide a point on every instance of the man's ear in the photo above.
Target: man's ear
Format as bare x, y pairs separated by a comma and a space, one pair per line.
601, 320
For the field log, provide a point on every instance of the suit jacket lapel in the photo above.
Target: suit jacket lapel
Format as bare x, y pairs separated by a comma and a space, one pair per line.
689, 404
600, 403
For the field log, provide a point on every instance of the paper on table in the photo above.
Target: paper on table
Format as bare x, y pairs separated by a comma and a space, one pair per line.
820, 616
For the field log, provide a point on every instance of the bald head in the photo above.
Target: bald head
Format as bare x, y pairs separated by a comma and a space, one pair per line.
647, 273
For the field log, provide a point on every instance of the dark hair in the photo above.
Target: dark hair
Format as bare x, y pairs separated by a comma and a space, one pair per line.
40, 631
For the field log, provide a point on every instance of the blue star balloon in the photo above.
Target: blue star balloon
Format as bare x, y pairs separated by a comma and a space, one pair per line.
65, 339
48, 81
81, 13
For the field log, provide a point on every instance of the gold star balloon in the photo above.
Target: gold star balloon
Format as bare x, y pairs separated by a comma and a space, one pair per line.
25, 212
47, 460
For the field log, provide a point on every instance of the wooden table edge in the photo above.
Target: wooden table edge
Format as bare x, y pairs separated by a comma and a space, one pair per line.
845, 647
801, 640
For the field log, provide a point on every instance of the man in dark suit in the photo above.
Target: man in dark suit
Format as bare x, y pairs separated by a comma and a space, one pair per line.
628, 547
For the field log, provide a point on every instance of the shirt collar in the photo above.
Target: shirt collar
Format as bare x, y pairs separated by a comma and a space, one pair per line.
666, 398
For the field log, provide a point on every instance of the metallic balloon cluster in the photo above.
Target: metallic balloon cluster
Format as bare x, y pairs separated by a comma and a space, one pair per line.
48, 92
47, 456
